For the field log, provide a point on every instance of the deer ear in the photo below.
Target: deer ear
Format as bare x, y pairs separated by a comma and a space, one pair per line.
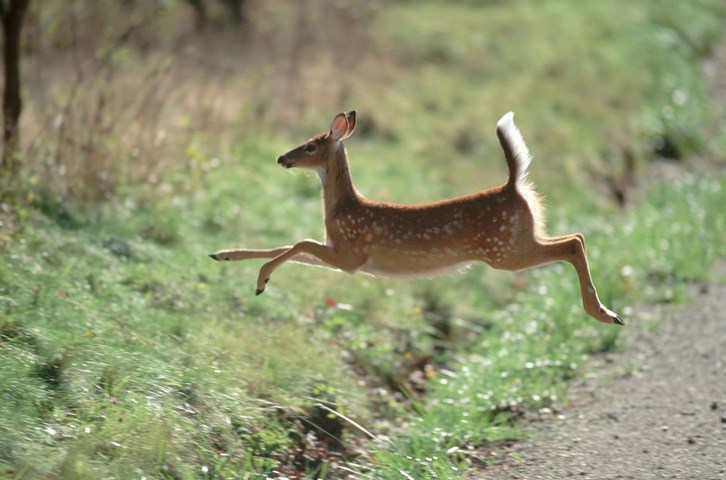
339, 127
351, 116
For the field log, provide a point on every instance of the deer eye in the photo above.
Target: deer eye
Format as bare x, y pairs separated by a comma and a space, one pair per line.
310, 148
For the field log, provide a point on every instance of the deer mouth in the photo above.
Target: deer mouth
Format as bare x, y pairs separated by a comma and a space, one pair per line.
283, 161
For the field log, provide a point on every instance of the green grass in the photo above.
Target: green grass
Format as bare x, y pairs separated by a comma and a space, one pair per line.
126, 352
565, 68
122, 354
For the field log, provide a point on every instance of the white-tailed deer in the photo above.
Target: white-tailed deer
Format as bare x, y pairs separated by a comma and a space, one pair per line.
503, 226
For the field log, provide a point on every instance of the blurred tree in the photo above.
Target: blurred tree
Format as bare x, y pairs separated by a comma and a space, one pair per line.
11, 14
200, 13
234, 12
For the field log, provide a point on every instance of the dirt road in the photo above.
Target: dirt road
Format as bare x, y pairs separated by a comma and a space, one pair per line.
655, 410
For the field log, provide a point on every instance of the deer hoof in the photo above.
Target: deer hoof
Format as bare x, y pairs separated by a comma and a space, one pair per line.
605, 315
608, 316
260, 290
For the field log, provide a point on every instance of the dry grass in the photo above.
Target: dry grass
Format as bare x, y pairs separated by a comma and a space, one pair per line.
126, 110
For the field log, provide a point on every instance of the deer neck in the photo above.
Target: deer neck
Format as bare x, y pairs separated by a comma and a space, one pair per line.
338, 189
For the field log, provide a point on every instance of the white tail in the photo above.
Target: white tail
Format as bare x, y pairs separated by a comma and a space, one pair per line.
503, 226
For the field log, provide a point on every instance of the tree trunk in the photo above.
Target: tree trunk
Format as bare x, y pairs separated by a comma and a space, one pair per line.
200, 14
11, 14
234, 12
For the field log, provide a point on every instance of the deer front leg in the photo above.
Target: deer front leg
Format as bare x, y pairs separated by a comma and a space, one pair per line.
246, 254
309, 251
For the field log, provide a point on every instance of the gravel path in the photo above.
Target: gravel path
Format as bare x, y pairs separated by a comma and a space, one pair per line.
655, 410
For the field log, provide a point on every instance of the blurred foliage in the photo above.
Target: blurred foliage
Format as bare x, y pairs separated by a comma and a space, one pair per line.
127, 93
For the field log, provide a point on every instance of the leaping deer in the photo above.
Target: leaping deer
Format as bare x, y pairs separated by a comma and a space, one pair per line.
503, 226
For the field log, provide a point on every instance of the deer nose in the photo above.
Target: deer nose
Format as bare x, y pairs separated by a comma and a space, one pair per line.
282, 160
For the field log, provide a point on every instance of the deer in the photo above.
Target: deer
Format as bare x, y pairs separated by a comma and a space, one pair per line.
502, 226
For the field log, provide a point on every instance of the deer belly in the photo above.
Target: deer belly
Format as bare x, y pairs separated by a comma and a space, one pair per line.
413, 264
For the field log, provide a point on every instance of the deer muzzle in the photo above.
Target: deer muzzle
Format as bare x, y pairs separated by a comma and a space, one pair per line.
283, 161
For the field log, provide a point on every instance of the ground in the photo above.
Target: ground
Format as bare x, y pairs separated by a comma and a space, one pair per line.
655, 410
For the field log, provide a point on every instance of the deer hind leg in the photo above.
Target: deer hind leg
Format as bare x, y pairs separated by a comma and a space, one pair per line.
571, 248
310, 252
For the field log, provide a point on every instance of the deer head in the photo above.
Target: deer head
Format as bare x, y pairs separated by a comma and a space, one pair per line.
318, 152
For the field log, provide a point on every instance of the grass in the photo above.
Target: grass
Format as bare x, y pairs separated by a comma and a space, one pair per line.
126, 352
